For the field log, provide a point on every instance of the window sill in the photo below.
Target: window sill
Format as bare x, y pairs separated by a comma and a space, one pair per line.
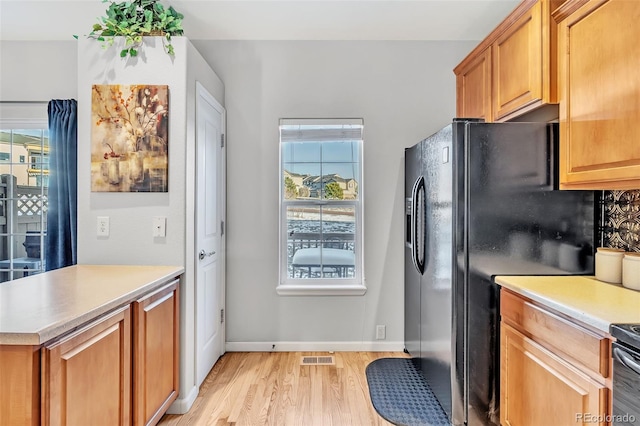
321, 290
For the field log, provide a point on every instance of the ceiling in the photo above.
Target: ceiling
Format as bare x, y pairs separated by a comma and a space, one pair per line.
274, 20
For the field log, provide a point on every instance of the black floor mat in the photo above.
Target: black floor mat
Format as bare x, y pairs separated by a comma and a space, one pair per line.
401, 395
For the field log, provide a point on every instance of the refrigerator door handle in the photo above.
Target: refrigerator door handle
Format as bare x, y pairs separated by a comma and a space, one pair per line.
413, 223
417, 232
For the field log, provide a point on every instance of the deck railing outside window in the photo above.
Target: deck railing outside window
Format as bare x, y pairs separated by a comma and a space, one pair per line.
309, 240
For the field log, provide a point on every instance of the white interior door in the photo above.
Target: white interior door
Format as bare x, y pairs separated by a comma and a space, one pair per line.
209, 239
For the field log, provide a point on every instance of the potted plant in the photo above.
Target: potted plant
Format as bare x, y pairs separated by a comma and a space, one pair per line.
135, 19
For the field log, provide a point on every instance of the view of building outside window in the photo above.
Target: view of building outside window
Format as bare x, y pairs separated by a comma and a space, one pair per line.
321, 204
24, 182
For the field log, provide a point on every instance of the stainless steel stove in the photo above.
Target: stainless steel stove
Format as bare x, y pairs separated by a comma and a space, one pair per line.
626, 374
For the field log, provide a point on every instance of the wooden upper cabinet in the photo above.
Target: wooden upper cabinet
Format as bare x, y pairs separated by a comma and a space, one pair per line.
473, 87
518, 62
513, 70
599, 94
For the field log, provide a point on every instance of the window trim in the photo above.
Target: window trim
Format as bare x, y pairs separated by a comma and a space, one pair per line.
321, 286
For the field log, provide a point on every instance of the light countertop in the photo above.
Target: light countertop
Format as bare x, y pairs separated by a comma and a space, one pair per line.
38, 308
583, 298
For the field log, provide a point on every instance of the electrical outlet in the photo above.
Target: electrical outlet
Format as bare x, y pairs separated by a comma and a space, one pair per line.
381, 332
103, 226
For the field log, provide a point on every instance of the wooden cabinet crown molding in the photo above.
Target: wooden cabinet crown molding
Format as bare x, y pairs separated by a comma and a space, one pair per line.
567, 8
513, 17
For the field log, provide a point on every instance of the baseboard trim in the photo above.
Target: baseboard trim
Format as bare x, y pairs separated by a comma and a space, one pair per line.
182, 405
314, 346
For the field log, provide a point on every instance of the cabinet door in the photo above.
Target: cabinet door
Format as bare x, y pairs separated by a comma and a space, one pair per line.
87, 375
517, 64
599, 82
537, 387
473, 87
155, 360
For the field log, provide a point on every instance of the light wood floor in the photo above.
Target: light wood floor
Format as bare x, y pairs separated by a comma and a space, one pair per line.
272, 388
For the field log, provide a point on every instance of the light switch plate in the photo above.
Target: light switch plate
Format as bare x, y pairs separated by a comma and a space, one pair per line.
159, 226
103, 226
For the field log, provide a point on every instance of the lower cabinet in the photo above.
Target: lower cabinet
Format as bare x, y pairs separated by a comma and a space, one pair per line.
552, 371
87, 375
155, 360
538, 387
118, 369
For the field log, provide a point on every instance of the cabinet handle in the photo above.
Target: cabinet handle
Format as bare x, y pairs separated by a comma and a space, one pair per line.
626, 360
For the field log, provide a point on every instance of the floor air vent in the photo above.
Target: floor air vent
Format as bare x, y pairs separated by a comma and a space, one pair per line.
317, 360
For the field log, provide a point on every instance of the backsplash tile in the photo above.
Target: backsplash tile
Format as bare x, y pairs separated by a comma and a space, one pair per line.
621, 220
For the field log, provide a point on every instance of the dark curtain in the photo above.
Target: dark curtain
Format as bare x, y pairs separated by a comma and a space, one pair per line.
62, 228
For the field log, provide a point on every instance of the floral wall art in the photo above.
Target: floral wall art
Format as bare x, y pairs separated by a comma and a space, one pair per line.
129, 138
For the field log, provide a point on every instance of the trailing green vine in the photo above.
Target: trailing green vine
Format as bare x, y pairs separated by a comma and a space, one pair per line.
135, 19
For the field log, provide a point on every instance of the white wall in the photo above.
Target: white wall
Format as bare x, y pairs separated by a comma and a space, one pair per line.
131, 240
404, 91
38, 71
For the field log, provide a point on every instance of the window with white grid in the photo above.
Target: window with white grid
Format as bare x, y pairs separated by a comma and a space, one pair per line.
321, 206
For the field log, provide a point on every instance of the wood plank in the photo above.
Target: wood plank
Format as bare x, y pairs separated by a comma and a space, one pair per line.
269, 388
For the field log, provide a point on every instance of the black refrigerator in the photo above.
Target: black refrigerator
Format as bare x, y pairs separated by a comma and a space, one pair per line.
481, 200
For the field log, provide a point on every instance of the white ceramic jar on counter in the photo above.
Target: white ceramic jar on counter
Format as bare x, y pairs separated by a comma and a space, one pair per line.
631, 271
609, 264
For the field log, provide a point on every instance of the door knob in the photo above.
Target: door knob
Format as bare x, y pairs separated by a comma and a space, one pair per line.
204, 254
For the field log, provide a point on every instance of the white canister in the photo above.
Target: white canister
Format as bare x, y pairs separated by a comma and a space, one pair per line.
609, 265
631, 271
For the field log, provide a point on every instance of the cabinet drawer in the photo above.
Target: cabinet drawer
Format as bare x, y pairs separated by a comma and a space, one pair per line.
556, 333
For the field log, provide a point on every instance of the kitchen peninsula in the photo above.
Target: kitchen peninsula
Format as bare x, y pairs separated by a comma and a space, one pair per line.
76, 345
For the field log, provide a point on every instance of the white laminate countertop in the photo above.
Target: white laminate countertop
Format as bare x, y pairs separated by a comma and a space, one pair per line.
38, 308
583, 298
